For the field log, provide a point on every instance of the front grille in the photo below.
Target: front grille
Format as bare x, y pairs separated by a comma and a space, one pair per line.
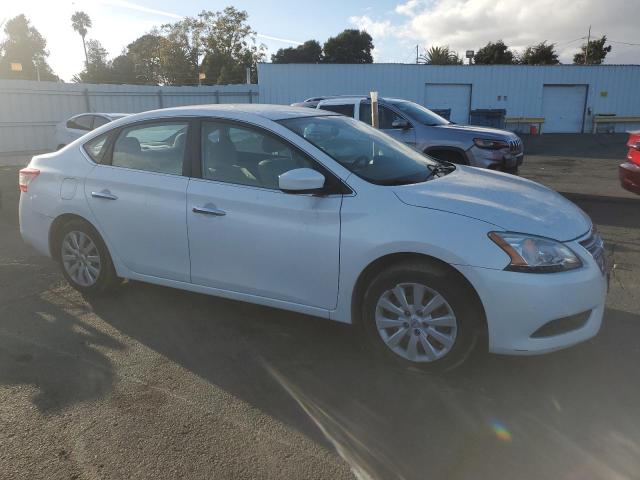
515, 146
562, 325
595, 246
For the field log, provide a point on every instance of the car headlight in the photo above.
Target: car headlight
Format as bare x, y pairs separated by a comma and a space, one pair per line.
533, 254
490, 144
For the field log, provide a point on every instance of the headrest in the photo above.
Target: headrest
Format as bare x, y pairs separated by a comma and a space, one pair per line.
128, 145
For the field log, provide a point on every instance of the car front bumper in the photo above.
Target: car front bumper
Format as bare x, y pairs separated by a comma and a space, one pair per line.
494, 159
629, 174
519, 305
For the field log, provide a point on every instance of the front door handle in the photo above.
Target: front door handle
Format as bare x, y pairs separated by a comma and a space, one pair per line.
106, 194
209, 209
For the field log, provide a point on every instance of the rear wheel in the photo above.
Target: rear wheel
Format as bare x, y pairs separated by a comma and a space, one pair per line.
84, 258
419, 315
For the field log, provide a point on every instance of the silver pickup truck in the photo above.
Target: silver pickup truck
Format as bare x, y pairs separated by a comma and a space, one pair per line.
428, 132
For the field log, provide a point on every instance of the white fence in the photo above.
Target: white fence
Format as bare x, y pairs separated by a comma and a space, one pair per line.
29, 110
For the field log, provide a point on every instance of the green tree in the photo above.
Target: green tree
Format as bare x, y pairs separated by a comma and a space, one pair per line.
229, 45
123, 70
180, 52
350, 46
98, 68
494, 54
596, 52
309, 52
540, 54
145, 53
24, 45
440, 56
81, 22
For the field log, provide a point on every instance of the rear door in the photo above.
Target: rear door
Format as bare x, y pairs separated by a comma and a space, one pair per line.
138, 196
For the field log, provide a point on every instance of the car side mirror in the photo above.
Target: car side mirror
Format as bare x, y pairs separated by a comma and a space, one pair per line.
403, 124
301, 180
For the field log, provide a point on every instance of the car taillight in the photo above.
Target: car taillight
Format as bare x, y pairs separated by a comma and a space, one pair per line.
26, 176
634, 148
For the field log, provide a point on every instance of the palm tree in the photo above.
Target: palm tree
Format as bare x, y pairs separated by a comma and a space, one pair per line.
80, 22
440, 56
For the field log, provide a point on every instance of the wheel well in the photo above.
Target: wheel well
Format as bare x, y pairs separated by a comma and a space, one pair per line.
382, 263
450, 154
56, 227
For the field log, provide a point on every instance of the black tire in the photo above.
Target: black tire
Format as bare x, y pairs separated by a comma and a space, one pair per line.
469, 315
512, 170
107, 278
449, 156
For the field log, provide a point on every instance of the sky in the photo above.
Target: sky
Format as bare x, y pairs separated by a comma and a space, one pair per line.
396, 26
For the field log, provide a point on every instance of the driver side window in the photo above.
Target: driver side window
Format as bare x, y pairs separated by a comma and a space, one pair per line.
246, 156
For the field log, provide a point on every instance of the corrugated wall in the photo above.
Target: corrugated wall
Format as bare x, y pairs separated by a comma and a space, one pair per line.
612, 88
29, 111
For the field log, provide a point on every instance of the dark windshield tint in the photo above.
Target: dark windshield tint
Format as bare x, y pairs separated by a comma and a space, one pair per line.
363, 150
419, 113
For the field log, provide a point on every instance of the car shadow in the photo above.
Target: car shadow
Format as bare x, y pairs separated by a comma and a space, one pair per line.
571, 414
576, 146
55, 352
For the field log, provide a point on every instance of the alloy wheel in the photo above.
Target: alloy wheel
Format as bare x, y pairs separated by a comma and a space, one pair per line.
81, 258
416, 322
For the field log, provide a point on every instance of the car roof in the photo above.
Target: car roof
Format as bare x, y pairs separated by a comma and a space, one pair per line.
271, 112
338, 100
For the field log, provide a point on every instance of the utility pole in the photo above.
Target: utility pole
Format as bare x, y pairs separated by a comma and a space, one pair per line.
417, 54
586, 50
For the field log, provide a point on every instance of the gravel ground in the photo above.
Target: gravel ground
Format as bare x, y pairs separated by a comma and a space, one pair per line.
157, 383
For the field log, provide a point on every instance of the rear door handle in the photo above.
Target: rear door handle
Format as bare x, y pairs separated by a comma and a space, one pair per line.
106, 194
209, 209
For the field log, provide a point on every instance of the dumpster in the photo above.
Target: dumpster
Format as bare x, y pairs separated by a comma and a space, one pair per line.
488, 117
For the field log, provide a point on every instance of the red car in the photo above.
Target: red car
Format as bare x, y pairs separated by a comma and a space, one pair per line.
629, 171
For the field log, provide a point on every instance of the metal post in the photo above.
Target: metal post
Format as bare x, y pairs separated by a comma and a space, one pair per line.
86, 99
374, 109
248, 75
586, 50
217, 94
160, 102
250, 96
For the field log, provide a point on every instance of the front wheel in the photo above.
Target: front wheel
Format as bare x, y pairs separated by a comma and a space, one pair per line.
84, 258
420, 316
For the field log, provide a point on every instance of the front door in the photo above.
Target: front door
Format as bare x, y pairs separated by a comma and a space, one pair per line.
386, 120
138, 196
247, 236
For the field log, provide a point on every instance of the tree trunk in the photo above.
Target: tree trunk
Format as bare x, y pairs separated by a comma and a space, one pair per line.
86, 59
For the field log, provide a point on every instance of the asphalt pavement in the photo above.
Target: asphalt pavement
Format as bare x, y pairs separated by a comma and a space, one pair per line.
161, 384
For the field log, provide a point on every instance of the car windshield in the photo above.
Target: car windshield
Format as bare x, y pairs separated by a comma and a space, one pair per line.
419, 113
363, 150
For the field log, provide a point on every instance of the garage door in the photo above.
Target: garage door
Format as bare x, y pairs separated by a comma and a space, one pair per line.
563, 108
457, 97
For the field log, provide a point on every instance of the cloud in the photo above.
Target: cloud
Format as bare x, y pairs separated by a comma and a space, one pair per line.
374, 28
470, 24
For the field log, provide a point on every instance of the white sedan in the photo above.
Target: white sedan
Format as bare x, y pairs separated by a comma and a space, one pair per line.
78, 125
318, 213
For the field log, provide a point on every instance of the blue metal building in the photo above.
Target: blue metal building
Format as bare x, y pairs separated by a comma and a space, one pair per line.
567, 96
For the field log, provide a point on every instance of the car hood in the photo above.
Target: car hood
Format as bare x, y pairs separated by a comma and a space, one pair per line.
509, 202
491, 133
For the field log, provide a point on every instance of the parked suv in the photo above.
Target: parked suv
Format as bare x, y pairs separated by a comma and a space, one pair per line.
428, 132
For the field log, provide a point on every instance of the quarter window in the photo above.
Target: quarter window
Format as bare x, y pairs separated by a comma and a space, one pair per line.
96, 147
246, 156
152, 147
98, 121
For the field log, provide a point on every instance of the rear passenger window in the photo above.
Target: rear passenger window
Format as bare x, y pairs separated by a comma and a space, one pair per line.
98, 121
342, 109
83, 122
365, 113
96, 147
152, 147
